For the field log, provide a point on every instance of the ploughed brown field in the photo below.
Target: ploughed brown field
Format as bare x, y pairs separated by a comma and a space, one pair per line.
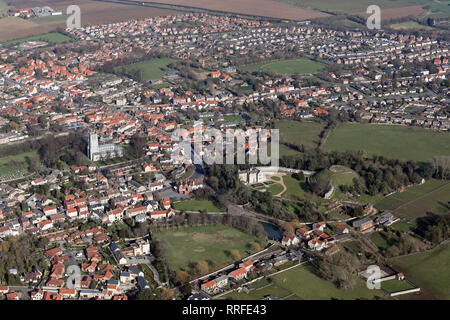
13, 28
393, 13
265, 8
92, 13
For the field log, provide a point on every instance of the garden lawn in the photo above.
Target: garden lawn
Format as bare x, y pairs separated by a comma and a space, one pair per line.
275, 188
394, 285
295, 188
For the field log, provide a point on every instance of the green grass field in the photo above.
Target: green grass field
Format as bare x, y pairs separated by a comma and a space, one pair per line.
152, 69
306, 133
233, 118
187, 246
275, 188
294, 188
414, 202
429, 270
286, 151
394, 285
52, 37
196, 205
303, 284
297, 66
399, 142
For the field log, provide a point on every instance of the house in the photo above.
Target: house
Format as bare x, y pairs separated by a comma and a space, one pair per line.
125, 277
304, 232
148, 168
37, 295
319, 226
341, 229
161, 214
50, 210
289, 240
68, 293
53, 252
12, 296
165, 203
238, 274
142, 283
384, 217
89, 294
140, 247
248, 265
209, 287
317, 244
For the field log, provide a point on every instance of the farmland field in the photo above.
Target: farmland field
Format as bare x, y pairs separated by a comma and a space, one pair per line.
233, 118
263, 8
306, 133
438, 9
302, 283
93, 13
286, 151
3, 7
414, 202
399, 142
196, 205
429, 270
152, 69
297, 66
187, 246
343, 6
389, 8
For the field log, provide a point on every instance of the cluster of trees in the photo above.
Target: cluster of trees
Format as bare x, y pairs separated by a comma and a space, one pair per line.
441, 166
21, 253
434, 228
340, 268
376, 175
138, 144
405, 244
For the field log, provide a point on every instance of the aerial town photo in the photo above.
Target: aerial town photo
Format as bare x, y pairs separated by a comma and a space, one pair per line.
224, 150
